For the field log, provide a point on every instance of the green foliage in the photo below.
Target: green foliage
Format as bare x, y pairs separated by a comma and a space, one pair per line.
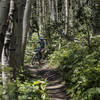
1, 87
81, 69
34, 90
31, 46
10, 87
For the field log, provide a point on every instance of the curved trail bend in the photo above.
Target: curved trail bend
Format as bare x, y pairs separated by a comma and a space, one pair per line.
56, 86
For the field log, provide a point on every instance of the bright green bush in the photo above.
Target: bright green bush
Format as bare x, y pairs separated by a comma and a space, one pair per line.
81, 68
32, 90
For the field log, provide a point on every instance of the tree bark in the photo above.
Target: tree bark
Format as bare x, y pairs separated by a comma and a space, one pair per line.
56, 9
40, 14
4, 5
52, 11
43, 16
7, 74
49, 9
71, 20
19, 30
26, 18
66, 16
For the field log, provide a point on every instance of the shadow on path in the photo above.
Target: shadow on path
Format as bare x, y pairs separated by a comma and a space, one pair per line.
56, 88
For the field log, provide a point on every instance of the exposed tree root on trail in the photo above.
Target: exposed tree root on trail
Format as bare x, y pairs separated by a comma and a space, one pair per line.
56, 86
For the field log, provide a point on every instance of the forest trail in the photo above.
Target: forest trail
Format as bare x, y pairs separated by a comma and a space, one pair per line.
56, 86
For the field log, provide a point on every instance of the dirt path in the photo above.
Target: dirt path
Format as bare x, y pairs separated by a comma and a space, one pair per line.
56, 87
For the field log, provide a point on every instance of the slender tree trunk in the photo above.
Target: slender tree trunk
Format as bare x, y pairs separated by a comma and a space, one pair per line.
37, 8
40, 14
56, 9
4, 5
26, 18
43, 16
49, 10
66, 16
52, 11
48, 20
71, 20
97, 18
59, 47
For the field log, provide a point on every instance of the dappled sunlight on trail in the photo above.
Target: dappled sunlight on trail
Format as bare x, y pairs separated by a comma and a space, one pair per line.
56, 86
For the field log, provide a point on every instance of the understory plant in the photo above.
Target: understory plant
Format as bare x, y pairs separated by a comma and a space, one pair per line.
81, 68
33, 90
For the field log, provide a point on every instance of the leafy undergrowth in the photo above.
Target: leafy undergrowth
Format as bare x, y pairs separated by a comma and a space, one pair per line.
30, 88
81, 68
1, 87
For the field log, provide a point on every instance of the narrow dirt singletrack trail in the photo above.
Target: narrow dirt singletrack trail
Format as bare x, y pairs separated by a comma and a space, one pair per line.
56, 86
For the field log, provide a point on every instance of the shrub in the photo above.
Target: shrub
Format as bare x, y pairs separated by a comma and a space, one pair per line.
32, 90
81, 68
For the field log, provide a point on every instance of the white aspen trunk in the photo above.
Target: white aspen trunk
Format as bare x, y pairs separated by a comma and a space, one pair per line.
4, 4
6, 73
66, 15
59, 47
52, 11
26, 18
